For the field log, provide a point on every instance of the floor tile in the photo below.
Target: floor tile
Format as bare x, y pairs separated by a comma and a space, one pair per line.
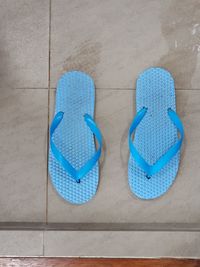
115, 40
114, 203
118, 244
24, 42
21, 243
23, 135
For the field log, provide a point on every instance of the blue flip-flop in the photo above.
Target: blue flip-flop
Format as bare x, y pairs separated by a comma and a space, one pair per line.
155, 151
73, 159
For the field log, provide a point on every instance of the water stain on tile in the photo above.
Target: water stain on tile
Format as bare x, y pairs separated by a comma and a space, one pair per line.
180, 25
124, 151
6, 79
85, 58
182, 103
103, 155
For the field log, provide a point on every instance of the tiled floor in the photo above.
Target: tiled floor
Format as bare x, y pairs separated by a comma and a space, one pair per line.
113, 41
23, 135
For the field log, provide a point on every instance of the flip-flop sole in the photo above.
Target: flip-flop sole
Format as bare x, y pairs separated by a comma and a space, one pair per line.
75, 96
155, 133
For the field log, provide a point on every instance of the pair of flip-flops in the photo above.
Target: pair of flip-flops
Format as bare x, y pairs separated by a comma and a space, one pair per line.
154, 153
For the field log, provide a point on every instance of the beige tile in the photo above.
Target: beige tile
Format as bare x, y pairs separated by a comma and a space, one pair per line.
122, 244
114, 203
115, 40
24, 43
21, 243
23, 138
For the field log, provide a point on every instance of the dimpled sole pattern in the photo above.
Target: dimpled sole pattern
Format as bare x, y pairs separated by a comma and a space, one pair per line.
75, 96
155, 133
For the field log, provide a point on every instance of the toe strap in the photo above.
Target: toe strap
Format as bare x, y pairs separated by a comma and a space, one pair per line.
165, 158
76, 174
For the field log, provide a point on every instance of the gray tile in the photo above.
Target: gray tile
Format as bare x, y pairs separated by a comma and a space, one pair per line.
21, 243
23, 138
115, 40
122, 244
24, 40
114, 203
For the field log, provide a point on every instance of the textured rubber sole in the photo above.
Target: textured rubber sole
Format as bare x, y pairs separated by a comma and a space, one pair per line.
155, 134
75, 96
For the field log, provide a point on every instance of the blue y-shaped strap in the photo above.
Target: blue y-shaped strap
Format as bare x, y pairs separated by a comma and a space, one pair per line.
76, 174
164, 159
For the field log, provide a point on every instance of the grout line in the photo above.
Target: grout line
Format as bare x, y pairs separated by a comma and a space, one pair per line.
150, 227
49, 76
